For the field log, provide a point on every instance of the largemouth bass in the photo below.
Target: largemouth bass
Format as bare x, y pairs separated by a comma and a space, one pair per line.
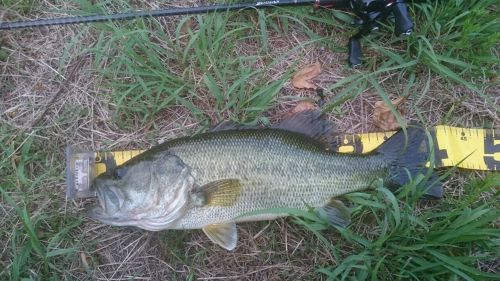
209, 180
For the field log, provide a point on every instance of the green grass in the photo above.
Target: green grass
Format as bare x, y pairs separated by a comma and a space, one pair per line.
36, 238
452, 39
404, 240
456, 40
148, 68
397, 236
23, 7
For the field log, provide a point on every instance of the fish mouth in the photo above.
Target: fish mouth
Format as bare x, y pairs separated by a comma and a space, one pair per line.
154, 214
165, 220
99, 214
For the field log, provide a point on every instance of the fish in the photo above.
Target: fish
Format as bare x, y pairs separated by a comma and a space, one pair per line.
213, 180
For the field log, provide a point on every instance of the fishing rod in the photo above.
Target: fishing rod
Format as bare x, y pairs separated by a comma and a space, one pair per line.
370, 13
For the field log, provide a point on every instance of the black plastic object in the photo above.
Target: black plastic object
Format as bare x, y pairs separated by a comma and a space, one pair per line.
355, 52
403, 24
370, 14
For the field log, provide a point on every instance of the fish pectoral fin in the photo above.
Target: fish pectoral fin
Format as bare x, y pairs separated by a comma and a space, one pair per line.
336, 213
222, 234
221, 192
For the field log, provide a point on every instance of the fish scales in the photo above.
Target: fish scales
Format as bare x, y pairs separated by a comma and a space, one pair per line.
210, 181
276, 168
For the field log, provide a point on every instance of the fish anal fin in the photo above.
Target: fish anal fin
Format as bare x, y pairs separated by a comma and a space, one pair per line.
223, 192
313, 124
434, 189
222, 234
336, 213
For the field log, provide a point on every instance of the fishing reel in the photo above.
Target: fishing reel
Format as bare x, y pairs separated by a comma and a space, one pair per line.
370, 14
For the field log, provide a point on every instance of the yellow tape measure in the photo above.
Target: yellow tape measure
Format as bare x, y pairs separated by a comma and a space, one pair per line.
480, 148
119, 157
477, 149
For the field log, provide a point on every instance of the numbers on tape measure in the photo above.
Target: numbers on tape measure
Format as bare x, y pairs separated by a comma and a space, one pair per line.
462, 136
477, 149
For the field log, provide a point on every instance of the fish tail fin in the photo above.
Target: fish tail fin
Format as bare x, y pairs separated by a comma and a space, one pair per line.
408, 155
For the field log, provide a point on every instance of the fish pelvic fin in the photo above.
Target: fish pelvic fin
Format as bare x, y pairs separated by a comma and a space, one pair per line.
336, 213
222, 234
223, 193
408, 155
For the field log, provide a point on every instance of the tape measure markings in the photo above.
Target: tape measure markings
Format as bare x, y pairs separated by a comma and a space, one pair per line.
477, 149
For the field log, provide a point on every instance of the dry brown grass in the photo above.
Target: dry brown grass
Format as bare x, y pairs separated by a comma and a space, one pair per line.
81, 115
272, 250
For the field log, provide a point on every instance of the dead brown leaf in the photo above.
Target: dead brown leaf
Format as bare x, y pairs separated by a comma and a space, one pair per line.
83, 259
300, 107
12, 113
187, 25
383, 117
301, 78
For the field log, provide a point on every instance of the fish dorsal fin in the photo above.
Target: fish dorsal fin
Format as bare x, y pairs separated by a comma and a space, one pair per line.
313, 124
230, 125
222, 234
336, 213
223, 192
